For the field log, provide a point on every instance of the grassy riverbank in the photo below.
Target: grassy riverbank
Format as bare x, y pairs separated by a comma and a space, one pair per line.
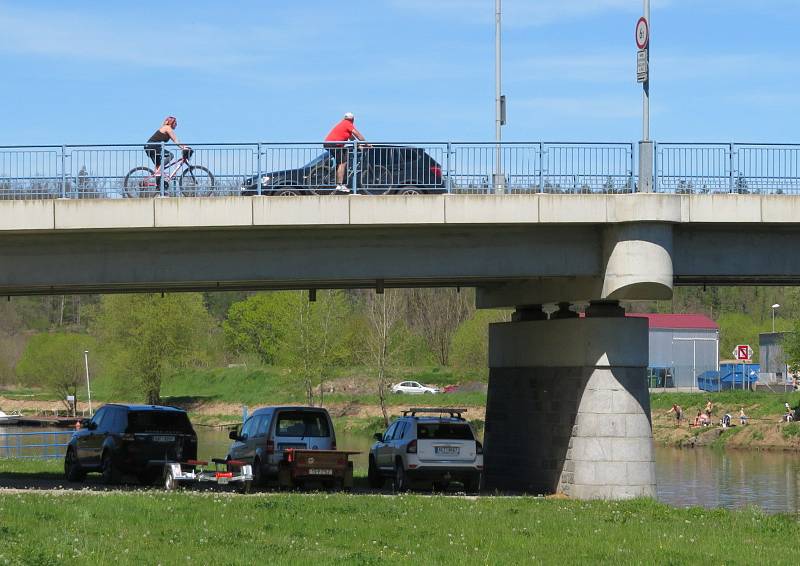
763, 431
154, 527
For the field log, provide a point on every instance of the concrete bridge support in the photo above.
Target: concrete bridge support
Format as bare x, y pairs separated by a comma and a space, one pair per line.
568, 408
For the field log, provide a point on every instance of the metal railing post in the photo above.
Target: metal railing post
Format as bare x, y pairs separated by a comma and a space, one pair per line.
161, 171
259, 174
656, 184
63, 171
449, 182
731, 172
630, 167
541, 167
355, 167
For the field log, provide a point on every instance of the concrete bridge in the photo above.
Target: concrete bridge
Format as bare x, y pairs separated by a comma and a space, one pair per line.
568, 406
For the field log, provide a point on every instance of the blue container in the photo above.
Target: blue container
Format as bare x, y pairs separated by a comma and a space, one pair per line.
729, 376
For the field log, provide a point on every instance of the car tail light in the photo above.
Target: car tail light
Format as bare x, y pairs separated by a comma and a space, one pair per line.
478, 447
270, 447
412, 447
436, 170
223, 474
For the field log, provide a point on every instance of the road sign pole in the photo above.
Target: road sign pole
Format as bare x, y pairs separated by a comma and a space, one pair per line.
646, 85
646, 153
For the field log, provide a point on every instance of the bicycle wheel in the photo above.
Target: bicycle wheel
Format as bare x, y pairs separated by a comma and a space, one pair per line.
321, 177
140, 183
196, 181
376, 180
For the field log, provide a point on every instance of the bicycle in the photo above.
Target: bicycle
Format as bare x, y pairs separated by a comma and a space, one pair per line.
373, 179
195, 180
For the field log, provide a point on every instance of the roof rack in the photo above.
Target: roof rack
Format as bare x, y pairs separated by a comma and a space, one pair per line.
456, 413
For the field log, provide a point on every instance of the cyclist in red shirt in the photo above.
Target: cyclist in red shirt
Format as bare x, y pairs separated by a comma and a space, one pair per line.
344, 131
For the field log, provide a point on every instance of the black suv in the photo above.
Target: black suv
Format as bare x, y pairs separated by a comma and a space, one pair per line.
382, 169
130, 439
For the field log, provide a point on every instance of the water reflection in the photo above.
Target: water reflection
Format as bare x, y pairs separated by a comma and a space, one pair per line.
732, 479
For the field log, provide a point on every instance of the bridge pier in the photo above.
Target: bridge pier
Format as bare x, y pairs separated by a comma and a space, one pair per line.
568, 409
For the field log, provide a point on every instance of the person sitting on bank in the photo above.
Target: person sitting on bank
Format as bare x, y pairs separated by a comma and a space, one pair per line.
725, 421
742, 416
788, 416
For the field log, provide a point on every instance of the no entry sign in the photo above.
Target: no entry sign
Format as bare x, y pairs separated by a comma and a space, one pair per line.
743, 353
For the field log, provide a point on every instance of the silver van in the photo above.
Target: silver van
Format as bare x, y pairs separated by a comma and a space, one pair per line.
269, 431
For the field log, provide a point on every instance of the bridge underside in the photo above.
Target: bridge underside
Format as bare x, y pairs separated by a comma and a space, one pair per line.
567, 408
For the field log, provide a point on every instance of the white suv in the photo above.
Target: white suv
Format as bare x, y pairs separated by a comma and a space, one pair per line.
427, 444
413, 387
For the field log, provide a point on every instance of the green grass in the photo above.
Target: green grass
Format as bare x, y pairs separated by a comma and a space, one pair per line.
209, 528
20, 467
791, 430
757, 404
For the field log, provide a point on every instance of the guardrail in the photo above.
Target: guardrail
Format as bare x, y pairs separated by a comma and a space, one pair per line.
34, 445
126, 171
727, 168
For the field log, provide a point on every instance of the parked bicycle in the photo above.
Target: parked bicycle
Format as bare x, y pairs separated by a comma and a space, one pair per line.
194, 180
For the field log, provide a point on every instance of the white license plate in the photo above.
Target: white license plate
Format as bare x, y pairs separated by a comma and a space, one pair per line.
447, 450
320, 471
223, 481
163, 439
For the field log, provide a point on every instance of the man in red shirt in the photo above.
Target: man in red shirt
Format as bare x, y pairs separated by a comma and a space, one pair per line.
342, 132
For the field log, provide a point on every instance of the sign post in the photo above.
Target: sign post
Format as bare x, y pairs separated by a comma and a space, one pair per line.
744, 354
642, 36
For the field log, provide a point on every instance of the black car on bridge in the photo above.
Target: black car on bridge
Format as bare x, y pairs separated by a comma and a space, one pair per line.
130, 439
379, 169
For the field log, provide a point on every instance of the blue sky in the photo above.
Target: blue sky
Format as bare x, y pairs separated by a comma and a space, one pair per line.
270, 70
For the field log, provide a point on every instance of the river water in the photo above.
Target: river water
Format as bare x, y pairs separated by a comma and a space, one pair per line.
685, 477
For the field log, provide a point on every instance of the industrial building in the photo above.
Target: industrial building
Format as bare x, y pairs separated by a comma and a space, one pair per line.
682, 347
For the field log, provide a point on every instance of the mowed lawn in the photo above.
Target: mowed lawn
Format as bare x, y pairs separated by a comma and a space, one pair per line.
217, 528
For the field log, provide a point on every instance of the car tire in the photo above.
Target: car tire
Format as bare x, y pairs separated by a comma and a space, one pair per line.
290, 192
258, 473
72, 468
429, 393
400, 478
374, 478
109, 471
170, 483
409, 191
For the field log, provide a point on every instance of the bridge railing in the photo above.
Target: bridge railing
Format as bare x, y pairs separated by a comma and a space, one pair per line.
125, 171
727, 168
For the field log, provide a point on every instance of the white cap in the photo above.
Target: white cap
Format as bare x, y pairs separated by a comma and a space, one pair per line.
349, 116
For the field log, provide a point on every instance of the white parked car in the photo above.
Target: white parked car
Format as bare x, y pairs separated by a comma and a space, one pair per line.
413, 387
433, 444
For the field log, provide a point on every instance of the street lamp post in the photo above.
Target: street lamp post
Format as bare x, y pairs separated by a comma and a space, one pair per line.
499, 101
775, 306
88, 387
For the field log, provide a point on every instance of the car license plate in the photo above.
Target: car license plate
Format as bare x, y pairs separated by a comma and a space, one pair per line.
447, 450
320, 471
163, 439
223, 480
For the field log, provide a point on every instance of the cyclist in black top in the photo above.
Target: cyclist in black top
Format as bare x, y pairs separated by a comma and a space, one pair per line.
165, 133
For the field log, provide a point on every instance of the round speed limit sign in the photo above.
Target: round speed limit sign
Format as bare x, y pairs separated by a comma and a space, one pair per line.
642, 33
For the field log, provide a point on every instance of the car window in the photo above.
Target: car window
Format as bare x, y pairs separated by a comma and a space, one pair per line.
302, 424
106, 422
247, 429
113, 421
262, 425
444, 431
388, 435
159, 421
401, 430
415, 384
99, 416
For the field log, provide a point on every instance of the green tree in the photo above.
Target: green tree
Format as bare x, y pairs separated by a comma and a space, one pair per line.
146, 336
55, 362
257, 325
470, 350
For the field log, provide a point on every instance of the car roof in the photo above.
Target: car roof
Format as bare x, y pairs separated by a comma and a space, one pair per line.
264, 410
146, 407
435, 419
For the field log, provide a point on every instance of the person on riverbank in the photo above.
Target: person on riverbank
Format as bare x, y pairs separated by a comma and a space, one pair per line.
678, 412
788, 415
709, 408
742, 416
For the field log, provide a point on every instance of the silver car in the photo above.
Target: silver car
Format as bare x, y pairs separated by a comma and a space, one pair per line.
434, 444
268, 432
